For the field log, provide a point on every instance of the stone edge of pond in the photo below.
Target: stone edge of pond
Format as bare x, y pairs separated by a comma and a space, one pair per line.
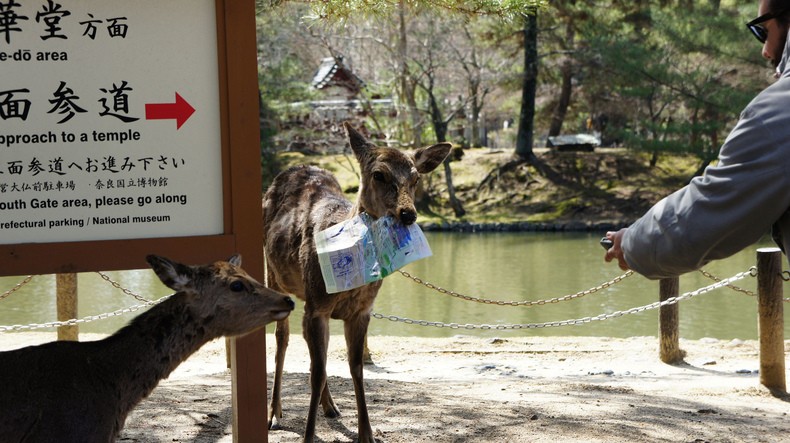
571, 226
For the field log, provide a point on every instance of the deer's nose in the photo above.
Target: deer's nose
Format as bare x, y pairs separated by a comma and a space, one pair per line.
407, 216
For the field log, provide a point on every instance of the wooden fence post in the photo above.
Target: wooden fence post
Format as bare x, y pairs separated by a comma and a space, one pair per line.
771, 319
67, 305
668, 322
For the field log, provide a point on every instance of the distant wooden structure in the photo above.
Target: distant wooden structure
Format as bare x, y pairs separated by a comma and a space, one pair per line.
340, 87
337, 79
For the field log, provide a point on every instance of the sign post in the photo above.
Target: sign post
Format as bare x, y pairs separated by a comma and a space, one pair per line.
131, 128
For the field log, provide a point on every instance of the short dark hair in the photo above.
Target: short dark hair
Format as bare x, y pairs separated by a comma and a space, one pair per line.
778, 6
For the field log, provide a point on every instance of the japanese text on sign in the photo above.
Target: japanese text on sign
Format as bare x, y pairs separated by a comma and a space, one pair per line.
99, 132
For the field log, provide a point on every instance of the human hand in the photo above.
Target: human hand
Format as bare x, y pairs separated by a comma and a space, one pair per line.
616, 252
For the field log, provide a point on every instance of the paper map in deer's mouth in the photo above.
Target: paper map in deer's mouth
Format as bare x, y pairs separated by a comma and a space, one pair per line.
362, 250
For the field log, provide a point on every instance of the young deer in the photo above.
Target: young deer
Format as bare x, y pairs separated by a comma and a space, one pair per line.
304, 200
81, 392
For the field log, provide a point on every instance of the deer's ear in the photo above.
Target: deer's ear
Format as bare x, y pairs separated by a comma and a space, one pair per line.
174, 275
235, 260
428, 158
358, 143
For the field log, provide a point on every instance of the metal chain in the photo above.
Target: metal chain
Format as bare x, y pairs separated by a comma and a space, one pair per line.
117, 285
753, 270
104, 276
75, 321
733, 287
601, 317
526, 303
17, 287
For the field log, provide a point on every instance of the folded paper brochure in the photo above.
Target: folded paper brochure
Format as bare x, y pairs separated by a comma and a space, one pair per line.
362, 250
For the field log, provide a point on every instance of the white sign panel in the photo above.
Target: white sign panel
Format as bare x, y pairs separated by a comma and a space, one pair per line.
109, 120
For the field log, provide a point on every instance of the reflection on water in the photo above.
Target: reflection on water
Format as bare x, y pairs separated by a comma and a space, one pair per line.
498, 266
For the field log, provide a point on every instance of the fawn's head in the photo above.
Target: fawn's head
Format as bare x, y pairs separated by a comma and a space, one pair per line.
222, 295
390, 176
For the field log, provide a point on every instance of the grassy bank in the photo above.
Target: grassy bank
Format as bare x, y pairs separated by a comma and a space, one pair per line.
606, 186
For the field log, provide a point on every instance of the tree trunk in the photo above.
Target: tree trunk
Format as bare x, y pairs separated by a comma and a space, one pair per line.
458, 208
524, 137
558, 118
409, 117
440, 127
475, 107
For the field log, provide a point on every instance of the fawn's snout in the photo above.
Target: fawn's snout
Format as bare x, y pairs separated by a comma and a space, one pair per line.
287, 304
283, 308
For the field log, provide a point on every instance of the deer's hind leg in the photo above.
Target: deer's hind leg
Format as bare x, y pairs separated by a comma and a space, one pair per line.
281, 334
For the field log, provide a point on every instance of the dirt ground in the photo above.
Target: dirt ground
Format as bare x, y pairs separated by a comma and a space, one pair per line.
466, 389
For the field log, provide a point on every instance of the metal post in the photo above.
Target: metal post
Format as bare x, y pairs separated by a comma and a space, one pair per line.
668, 322
771, 319
67, 305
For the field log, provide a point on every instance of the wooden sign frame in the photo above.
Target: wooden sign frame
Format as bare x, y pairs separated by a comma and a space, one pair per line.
242, 219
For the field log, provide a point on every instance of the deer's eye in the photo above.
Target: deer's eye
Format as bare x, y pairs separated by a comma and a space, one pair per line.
378, 176
237, 286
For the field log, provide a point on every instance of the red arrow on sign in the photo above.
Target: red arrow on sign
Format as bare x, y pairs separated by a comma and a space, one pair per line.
180, 111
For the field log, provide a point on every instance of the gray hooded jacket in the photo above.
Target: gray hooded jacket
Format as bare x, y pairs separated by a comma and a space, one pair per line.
733, 204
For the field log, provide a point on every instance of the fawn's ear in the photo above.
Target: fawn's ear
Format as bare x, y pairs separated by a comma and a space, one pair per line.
359, 144
428, 158
235, 260
174, 275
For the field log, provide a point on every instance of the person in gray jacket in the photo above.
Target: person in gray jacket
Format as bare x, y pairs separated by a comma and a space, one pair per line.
740, 199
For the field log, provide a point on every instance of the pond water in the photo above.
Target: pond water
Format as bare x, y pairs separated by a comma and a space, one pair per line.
496, 266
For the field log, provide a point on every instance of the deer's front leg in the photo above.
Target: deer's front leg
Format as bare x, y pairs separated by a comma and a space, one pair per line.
316, 333
281, 334
356, 329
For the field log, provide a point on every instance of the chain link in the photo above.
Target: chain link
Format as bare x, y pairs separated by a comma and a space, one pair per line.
578, 321
753, 271
525, 303
17, 287
117, 285
733, 287
76, 321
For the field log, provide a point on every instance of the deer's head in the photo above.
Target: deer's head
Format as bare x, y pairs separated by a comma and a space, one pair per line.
390, 176
223, 296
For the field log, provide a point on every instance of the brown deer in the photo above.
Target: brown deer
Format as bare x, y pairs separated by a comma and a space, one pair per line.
81, 392
304, 200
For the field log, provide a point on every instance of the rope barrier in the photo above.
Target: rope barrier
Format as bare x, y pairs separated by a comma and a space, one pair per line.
601, 317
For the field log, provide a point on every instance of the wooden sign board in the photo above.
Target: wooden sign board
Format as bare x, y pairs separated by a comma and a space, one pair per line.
131, 128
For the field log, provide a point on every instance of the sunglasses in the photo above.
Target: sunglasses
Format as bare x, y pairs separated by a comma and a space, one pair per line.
758, 29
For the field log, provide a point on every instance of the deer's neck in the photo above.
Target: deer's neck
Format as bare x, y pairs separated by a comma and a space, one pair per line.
153, 345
